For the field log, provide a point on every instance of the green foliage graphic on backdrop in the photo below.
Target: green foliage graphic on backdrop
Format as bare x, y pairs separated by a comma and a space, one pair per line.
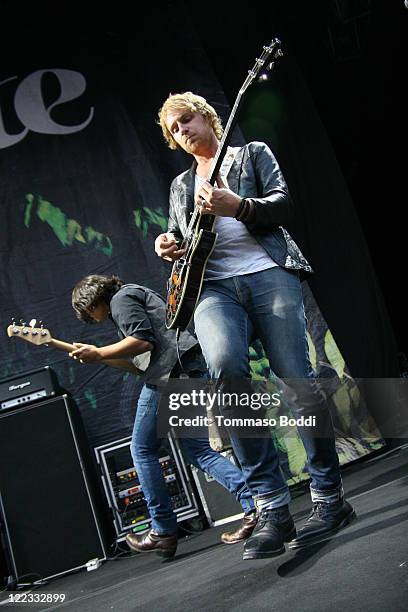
147, 218
356, 433
67, 230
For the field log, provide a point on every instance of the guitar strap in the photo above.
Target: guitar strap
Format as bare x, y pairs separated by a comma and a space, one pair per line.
227, 163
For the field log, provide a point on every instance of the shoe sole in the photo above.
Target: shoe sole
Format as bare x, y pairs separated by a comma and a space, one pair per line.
297, 545
165, 555
248, 555
263, 555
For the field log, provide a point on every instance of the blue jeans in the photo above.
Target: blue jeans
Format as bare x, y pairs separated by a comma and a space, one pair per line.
267, 305
145, 453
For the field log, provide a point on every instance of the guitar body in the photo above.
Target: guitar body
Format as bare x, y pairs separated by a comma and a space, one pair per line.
185, 282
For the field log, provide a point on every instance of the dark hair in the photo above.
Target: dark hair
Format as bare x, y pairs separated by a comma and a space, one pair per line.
92, 290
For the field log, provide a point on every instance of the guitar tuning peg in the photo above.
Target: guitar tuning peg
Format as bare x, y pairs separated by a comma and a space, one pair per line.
13, 321
43, 332
23, 323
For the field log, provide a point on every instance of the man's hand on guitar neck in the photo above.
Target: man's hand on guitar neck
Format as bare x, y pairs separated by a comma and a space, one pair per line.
86, 353
128, 347
166, 247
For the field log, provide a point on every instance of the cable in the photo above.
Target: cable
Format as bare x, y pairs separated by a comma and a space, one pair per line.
15, 586
178, 353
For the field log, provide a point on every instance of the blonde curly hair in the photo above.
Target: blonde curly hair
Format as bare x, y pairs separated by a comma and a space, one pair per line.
188, 101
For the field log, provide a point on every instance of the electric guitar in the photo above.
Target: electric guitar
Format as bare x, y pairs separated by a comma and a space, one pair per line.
186, 279
39, 335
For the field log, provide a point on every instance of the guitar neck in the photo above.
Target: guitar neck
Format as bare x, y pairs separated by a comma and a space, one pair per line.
267, 60
207, 220
225, 140
121, 364
62, 346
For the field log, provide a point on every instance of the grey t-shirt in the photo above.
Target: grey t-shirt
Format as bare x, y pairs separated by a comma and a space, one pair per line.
139, 312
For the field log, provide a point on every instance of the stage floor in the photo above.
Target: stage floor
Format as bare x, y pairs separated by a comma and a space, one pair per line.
364, 567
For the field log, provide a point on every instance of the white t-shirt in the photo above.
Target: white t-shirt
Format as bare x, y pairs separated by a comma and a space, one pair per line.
236, 251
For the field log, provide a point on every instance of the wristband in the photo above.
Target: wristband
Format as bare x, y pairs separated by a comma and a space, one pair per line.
240, 209
250, 216
245, 212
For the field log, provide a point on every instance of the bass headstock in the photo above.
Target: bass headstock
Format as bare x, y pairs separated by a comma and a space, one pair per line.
30, 333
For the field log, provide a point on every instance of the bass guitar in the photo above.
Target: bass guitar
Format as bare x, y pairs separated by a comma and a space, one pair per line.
40, 335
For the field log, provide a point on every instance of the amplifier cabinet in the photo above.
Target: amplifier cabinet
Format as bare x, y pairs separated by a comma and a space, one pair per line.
49, 520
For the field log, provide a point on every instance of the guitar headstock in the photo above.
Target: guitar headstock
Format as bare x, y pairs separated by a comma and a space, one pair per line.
35, 335
264, 64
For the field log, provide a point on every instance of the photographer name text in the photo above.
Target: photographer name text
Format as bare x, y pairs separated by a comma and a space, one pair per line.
221, 420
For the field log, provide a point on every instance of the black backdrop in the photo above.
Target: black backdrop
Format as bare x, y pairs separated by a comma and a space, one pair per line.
93, 200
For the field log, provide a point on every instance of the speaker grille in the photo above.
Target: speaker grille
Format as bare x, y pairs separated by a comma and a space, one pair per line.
48, 511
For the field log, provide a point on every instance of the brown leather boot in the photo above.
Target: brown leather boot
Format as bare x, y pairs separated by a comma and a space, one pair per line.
164, 545
244, 530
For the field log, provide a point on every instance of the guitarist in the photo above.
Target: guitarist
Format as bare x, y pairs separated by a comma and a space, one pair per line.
252, 289
138, 314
